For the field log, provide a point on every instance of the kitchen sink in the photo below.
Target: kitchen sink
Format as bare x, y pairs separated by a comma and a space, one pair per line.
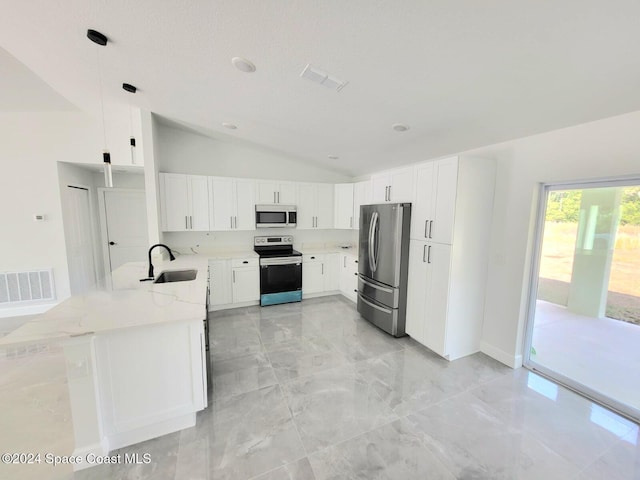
176, 276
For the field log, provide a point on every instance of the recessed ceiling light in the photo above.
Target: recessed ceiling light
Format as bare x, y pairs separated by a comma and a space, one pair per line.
399, 127
243, 64
230, 126
334, 157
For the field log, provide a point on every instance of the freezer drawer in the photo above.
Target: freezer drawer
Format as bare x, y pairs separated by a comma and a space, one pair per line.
383, 294
382, 317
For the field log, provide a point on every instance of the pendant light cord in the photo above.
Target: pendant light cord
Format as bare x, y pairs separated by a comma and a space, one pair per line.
104, 130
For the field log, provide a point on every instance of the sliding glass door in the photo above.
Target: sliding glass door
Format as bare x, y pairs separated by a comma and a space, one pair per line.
584, 311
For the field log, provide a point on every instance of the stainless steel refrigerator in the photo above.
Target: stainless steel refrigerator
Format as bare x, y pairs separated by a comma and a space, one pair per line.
383, 264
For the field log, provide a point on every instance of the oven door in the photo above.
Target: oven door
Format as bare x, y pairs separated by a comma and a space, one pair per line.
280, 274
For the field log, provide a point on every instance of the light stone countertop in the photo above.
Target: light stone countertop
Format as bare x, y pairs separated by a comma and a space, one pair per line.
130, 303
352, 251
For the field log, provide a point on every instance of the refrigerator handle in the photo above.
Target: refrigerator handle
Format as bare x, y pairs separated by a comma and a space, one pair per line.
375, 241
372, 265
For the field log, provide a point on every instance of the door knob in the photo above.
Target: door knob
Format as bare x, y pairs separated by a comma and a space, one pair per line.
112, 243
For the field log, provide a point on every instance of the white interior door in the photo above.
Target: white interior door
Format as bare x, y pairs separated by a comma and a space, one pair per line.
126, 222
82, 267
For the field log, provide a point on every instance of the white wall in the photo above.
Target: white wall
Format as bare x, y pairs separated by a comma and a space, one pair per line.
602, 149
31, 144
180, 151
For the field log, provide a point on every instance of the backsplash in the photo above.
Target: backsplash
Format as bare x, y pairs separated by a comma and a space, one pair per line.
203, 242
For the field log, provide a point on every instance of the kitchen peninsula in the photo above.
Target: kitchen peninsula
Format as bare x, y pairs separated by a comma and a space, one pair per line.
135, 355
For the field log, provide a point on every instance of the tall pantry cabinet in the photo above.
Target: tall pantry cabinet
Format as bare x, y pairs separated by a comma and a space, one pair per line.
448, 254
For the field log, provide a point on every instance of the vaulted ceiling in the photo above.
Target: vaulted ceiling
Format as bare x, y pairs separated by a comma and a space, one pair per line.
461, 74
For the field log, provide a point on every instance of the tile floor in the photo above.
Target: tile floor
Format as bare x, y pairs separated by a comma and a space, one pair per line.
311, 391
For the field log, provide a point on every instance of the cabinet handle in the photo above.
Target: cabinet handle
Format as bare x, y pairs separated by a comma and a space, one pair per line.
274, 197
245, 261
191, 222
186, 223
430, 228
278, 197
389, 192
234, 276
235, 222
424, 251
344, 262
429, 255
231, 222
322, 271
385, 193
426, 224
313, 258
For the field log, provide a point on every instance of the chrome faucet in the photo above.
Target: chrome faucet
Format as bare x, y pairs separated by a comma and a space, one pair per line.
171, 258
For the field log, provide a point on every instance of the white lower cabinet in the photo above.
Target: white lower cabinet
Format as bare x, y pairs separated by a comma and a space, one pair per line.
219, 282
348, 281
234, 281
320, 273
427, 294
245, 280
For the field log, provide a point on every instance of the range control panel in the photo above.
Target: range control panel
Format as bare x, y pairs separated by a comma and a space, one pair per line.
264, 241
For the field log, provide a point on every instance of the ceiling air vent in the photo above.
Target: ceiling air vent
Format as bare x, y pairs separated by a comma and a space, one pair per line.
323, 78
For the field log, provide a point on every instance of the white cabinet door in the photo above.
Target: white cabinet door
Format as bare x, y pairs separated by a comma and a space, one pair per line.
422, 208
438, 258
331, 272
441, 230
266, 192
380, 188
307, 198
313, 275
222, 203
324, 205
348, 276
245, 284
174, 201
199, 203
361, 196
245, 215
417, 290
401, 186
287, 193
344, 208
220, 282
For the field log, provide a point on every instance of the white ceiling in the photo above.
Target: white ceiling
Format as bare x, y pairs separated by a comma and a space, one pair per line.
462, 74
23, 91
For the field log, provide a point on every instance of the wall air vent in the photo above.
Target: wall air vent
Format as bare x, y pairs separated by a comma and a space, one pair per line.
323, 78
27, 286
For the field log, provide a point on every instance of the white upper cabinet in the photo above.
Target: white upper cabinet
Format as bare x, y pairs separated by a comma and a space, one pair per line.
344, 206
395, 186
361, 196
315, 206
433, 211
232, 204
184, 201
270, 192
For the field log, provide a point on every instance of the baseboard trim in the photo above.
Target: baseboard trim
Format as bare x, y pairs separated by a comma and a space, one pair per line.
25, 310
513, 361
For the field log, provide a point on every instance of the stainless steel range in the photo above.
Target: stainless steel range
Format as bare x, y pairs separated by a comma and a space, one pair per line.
280, 270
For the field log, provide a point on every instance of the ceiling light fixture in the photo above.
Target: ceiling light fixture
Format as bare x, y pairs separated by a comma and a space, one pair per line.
400, 127
230, 126
323, 78
101, 40
243, 64
127, 87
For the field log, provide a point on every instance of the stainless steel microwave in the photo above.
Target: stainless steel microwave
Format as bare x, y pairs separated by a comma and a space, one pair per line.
276, 216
